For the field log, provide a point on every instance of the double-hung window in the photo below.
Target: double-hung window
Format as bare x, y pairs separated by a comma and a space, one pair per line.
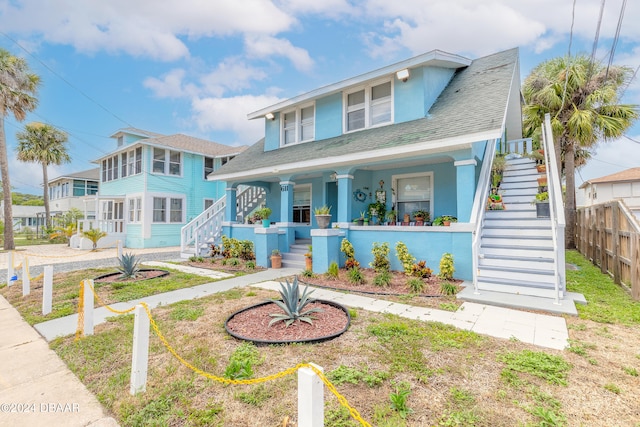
302, 203
208, 166
135, 209
298, 125
168, 207
413, 192
368, 107
166, 162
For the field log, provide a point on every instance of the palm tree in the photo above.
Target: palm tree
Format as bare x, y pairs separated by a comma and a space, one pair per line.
94, 235
44, 144
582, 99
18, 87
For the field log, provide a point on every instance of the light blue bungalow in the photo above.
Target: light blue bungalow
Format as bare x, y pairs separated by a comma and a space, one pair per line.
416, 135
151, 185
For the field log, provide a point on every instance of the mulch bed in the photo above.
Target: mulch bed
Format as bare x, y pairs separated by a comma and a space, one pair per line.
253, 323
143, 274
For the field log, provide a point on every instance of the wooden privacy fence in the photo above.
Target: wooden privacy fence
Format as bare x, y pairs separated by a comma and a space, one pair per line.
609, 236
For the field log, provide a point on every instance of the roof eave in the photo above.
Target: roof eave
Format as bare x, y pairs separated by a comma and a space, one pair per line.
397, 152
433, 58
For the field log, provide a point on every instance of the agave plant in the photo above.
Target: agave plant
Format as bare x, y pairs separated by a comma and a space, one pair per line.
128, 267
293, 304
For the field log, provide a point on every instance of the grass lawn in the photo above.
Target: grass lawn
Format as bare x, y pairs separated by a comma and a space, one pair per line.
394, 371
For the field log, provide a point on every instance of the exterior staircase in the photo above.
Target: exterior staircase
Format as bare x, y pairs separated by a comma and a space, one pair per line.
206, 229
295, 257
516, 249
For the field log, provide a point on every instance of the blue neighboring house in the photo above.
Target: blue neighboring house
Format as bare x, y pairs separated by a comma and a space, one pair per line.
151, 185
416, 135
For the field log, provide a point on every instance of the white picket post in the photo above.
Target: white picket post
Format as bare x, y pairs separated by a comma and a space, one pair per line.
140, 356
119, 250
10, 271
26, 280
310, 398
47, 290
88, 306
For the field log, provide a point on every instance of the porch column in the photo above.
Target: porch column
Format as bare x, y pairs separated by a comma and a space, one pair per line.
465, 187
286, 201
231, 209
345, 188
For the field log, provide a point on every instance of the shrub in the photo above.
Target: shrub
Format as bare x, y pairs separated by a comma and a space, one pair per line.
448, 288
215, 250
446, 267
356, 276
234, 248
416, 285
307, 273
128, 266
380, 253
421, 270
405, 258
251, 265
234, 261
333, 270
347, 249
382, 279
293, 303
351, 263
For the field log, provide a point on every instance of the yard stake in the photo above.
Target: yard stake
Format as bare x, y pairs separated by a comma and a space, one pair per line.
26, 280
10, 272
310, 398
119, 249
88, 306
140, 356
47, 290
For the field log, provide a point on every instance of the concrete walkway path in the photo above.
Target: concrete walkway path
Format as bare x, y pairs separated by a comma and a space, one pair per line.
36, 387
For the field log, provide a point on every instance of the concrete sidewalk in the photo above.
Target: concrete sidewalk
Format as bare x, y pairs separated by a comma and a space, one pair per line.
36, 387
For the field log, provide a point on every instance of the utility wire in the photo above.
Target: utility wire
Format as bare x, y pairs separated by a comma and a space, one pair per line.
67, 82
595, 41
566, 76
615, 38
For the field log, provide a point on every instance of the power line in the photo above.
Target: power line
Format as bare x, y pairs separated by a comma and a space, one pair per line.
566, 77
615, 38
595, 42
67, 82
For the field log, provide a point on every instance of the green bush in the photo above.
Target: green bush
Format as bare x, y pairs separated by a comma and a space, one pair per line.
446, 267
356, 276
405, 258
333, 270
382, 279
380, 252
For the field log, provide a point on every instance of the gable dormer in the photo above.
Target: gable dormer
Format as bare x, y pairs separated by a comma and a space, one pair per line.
129, 136
397, 93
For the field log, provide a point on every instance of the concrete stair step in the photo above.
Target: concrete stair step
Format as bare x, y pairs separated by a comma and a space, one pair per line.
512, 288
491, 221
517, 232
517, 242
508, 214
542, 264
515, 251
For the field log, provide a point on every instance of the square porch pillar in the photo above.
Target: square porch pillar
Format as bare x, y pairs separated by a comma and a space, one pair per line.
326, 248
230, 209
266, 240
345, 188
465, 187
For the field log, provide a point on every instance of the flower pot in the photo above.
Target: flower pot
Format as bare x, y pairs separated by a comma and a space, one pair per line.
542, 181
266, 223
323, 220
308, 263
360, 222
542, 210
407, 218
276, 261
542, 168
446, 223
419, 221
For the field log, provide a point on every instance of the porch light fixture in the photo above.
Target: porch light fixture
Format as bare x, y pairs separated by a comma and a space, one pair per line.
403, 75
333, 176
270, 116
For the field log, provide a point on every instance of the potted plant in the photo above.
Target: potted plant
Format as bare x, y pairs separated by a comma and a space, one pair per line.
323, 216
497, 169
264, 214
391, 217
308, 260
494, 202
276, 259
542, 204
448, 219
421, 216
377, 212
406, 219
542, 181
360, 219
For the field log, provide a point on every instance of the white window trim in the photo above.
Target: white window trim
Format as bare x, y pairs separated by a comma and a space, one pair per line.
367, 105
204, 166
167, 159
167, 198
137, 200
301, 187
298, 123
394, 185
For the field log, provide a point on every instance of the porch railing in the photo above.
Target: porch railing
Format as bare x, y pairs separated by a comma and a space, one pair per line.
477, 214
110, 226
556, 207
203, 227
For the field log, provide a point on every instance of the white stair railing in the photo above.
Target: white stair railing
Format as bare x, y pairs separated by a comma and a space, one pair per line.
479, 203
556, 208
207, 227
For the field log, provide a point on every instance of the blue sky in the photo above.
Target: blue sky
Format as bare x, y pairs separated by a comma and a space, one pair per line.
199, 67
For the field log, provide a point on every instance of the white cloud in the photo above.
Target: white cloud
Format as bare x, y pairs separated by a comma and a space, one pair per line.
230, 114
607, 159
142, 27
266, 46
170, 85
232, 74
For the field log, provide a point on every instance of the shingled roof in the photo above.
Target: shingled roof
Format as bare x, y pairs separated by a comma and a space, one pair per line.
471, 108
93, 174
627, 175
